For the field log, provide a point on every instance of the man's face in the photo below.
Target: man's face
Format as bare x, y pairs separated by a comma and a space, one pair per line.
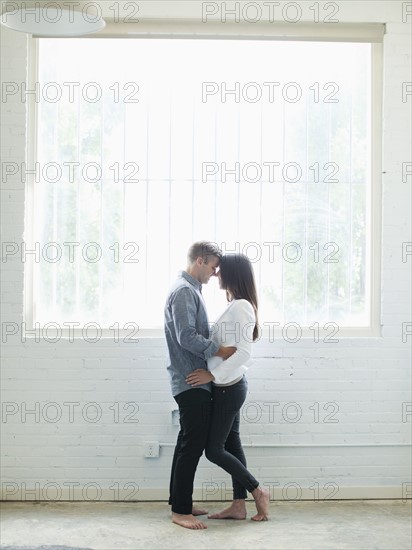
208, 270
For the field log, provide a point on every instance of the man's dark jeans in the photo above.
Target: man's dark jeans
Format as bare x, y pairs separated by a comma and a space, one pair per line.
195, 408
224, 447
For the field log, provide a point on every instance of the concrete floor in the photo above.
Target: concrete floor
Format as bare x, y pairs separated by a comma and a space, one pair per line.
354, 525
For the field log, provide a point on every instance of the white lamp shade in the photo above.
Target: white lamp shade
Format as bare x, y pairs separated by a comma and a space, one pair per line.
52, 21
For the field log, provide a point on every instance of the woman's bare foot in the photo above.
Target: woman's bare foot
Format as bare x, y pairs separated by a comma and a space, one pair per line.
261, 497
188, 521
198, 511
237, 510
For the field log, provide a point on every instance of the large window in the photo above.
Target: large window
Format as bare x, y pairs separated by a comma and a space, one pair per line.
146, 145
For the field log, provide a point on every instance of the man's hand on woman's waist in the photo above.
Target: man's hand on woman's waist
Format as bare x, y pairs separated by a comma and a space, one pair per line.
199, 377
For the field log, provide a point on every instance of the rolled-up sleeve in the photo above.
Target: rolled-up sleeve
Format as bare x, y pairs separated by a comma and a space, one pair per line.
184, 315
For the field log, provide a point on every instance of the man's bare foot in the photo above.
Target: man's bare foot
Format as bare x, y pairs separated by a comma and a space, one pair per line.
198, 511
261, 496
237, 510
187, 520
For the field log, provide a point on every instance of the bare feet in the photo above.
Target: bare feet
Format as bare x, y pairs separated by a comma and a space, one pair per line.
187, 520
237, 510
261, 496
198, 511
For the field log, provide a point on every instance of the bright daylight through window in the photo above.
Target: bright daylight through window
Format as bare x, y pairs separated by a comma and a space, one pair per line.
144, 146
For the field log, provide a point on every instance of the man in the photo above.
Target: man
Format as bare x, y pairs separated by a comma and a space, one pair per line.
187, 336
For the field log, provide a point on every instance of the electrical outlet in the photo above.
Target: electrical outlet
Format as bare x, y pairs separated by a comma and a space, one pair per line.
175, 417
151, 449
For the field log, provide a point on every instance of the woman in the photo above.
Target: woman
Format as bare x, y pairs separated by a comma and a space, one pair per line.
237, 326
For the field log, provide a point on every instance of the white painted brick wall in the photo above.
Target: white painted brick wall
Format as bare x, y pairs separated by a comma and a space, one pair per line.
364, 381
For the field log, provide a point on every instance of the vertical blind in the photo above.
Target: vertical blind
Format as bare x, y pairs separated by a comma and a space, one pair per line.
145, 146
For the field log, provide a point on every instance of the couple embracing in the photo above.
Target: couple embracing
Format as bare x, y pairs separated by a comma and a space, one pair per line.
208, 379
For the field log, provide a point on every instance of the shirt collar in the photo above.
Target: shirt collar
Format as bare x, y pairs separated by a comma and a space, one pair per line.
191, 280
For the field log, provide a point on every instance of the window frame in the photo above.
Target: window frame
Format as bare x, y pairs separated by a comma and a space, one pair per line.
371, 33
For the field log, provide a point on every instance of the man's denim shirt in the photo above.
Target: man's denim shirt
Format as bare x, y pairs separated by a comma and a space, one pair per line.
187, 332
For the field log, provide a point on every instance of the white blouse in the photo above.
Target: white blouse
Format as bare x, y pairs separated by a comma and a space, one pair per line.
233, 328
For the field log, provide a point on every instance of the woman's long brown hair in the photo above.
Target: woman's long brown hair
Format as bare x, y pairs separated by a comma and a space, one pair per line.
237, 277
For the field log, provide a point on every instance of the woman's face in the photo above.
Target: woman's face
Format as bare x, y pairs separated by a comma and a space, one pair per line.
219, 276
228, 295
